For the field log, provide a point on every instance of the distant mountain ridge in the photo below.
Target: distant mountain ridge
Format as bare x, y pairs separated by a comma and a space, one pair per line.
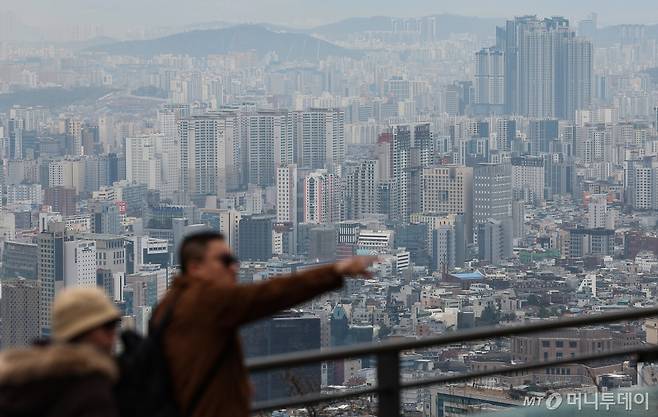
241, 38
447, 24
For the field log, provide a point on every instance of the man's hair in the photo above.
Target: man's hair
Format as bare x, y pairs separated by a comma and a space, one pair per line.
194, 247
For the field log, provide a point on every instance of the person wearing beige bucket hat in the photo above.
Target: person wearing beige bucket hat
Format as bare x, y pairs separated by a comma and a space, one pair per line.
73, 375
85, 315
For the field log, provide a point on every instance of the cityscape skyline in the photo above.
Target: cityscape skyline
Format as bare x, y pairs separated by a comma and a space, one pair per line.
501, 170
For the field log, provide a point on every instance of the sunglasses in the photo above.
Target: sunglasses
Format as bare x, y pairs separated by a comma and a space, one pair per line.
228, 260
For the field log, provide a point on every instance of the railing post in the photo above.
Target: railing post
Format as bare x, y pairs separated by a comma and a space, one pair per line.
388, 384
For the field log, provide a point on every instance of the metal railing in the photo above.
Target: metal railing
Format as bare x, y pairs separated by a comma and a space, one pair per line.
389, 385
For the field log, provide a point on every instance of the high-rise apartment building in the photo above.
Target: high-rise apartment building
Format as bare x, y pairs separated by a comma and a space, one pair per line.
528, 180
319, 138
360, 189
207, 149
449, 190
410, 149
489, 81
171, 151
270, 145
548, 70
286, 208
321, 197
144, 160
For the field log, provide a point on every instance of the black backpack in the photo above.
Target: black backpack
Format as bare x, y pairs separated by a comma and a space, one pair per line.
145, 387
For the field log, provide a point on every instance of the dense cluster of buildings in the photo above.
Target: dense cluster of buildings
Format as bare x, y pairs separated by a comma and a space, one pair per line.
515, 180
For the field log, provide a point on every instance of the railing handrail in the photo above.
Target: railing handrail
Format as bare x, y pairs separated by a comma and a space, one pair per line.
638, 351
367, 349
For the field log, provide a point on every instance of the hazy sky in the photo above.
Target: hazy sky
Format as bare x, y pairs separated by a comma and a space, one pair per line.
124, 14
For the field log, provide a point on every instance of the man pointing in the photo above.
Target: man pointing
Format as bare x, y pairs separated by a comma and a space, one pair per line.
208, 307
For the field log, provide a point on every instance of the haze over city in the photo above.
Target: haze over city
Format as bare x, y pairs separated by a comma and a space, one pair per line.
290, 207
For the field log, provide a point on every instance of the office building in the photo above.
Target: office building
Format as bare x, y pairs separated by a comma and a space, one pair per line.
286, 332
61, 199
105, 218
375, 242
50, 274
494, 241
413, 237
492, 192
110, 251
18, 260
80, 263
19, 307
447, 242
255, 237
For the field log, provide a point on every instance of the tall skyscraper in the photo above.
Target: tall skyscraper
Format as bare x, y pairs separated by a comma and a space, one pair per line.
360, 189
105, 218
548, 70
50, 269
286, 207
410, 153
542, 134
321, 197
207, 146
72, 129
15, 148
449, 190
18, 260
270, 145
255, 241
528, 179
171, 151
489, 81
492, 192
19, 307
144, 160
286, 332
319, 136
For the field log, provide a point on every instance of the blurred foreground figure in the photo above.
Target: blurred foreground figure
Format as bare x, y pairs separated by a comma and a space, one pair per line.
208, 307
73, 375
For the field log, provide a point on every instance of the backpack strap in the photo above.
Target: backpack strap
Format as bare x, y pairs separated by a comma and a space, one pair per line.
156, 329
159, 328
205, 384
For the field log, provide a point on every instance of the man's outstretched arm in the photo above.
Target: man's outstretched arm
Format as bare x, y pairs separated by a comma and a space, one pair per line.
238, 304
